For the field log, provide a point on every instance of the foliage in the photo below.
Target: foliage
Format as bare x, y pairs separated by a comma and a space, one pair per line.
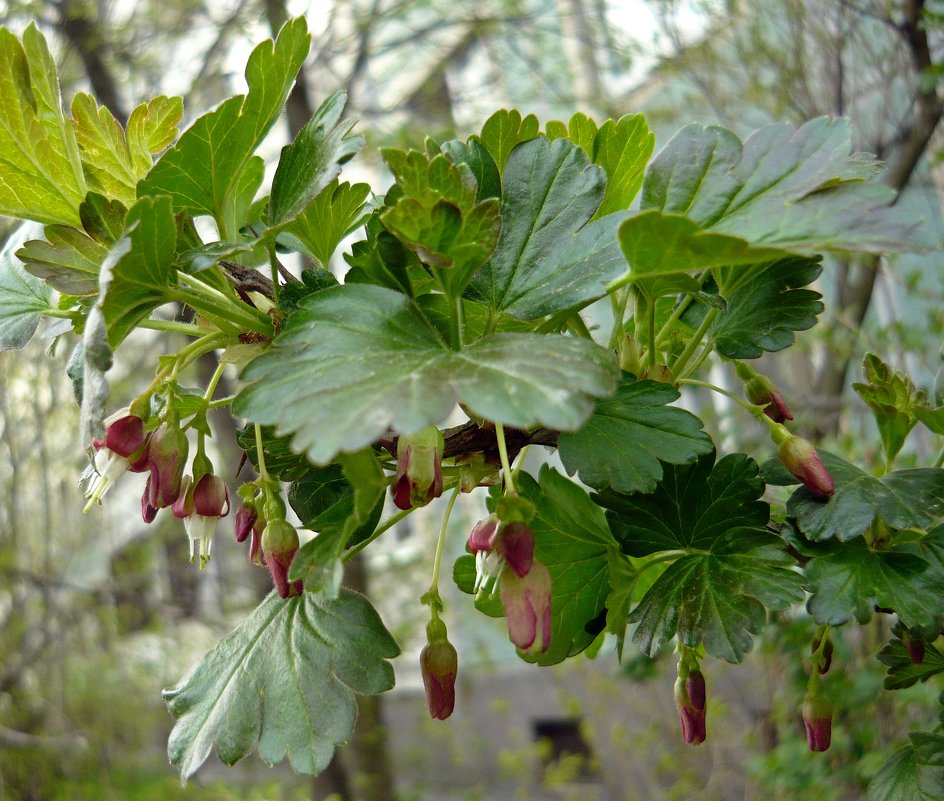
468, 289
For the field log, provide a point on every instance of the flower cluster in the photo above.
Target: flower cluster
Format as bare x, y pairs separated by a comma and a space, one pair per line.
504, 560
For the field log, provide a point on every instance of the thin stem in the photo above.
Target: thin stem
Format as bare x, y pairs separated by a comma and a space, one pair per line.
940, 459
715, 388
694, 342
213, 303
455, 322
669, 324
437, 559
173, 327
651, 321
389, 523
221, 402
699, 361
506, 465
261, 466
211, 387
196, 349
274, 266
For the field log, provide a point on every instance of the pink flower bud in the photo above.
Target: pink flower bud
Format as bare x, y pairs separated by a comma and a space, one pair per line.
515, 542
125, 435
246, 517
690, 700
419, 470
527, 602
818, 720
167, 456
483, 534
761, 391
801, 459
148, 512
279, 546
439, 664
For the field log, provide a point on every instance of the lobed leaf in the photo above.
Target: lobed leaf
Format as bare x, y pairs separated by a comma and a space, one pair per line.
283, 682
902, 671
504, 131
333, 214
627, 437
913, 773
23, 298
355, 360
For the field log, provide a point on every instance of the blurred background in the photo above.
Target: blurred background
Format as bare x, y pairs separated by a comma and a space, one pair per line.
98, 612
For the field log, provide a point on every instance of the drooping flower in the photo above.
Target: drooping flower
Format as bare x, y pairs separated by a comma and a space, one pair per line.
800, 458
246, 516
279, 545
527, 602
496, 546
690, 700
419, 470
167, 456
818, 720
439, 664
201, 505
120, 450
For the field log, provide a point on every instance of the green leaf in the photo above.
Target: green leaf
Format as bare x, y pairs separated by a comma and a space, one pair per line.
763, 313
903, 499
627, 436
800, 190
658, 244
693, 506
103, 219
283, 682
67, 259
332, 215
623, 148
437, 217
152, 127
382, 260
41, 175
581, 130
313, 160
139, 269
893, 400
504, 131
357, 359
716, 594
913, 773
718, 599
23, 298
105, 156
550, 192
902, 672
849, 579
352, 515
571, 540
210, 167
313, 280
480, 163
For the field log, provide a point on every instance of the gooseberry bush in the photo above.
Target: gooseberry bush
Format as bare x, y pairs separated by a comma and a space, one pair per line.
468, 283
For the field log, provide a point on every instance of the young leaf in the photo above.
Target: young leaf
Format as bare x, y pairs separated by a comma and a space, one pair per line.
550, 192
480, 163
67, 259
763, 313
913, 773
504, 131
717, 594
799, 190
902, 670
903, 499
893, 400
283, 682
623, 148
41, 178
140, 267
357, 359
313, 160
152, 127
622, 443
581, 130
212, 163
332, 215
849, 579
23, 298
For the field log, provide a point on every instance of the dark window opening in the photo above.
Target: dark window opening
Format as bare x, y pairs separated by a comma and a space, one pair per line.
567, 749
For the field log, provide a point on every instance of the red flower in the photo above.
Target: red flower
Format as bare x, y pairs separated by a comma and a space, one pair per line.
527, 602
690, 700
800, 458
279, 545
439, 664
818, 720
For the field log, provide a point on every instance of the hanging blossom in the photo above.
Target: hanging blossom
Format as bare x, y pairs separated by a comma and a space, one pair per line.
504, 560
201, 505
124, 447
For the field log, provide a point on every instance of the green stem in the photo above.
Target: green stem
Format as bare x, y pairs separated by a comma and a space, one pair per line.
214, 304
506, 465
211, 387
455, 322
651, 324
618, 283
196, 349
578, 327
699, 361
389, 523
440, 544
694, 342
669, 324
173, 327
274, 267
261, 466
221, 402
